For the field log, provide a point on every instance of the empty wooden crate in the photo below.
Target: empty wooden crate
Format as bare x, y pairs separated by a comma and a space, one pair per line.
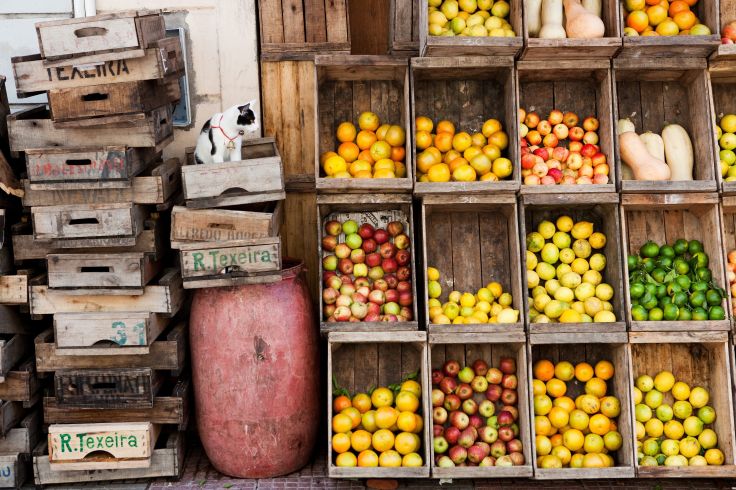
86, 164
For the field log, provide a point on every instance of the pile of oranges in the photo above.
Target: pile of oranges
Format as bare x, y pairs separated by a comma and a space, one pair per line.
447, 155
380, 429
663, 18
376, 151
579, 433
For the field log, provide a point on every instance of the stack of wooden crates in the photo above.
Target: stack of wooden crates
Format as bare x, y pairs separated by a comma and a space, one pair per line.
100, 199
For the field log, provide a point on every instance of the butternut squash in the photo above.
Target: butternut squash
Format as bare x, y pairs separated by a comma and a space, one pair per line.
624, 125
593, 6
532, 16
552, 20
654, 144
678, 151
582, 24
635, 155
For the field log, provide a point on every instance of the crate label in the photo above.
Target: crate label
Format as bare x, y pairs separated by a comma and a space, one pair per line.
256, 257
121, 329
105, 71
84, 443
112, 165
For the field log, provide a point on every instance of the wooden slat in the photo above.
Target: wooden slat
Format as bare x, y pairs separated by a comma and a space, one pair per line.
107, 333
197, 225
107, 388
101, 271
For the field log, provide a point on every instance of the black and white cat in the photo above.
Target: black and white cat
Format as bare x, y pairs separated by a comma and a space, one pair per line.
221, 137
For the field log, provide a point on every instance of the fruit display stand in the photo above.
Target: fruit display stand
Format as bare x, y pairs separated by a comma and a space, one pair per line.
728, 229
466, 91
582, 87
653, 92
727, 11
472, 241
698, 359
601, 210
404, 28
377, 210
360, 361
575, 349
347, 86
722, 77
568, 48
466, 348
674, 47
299, 29
471, 46
665, 218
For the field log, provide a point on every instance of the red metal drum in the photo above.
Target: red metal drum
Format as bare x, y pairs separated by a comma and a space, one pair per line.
255, 367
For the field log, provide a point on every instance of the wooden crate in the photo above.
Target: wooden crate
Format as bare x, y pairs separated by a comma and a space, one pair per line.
25, 436
666, 218
579, 86
652, 92
33, 128
13, 470
346, 86
722, 75
13, 349
727, 14
112, 274
258, 177
170, 406
568, 347
601, 210
217, 225
471, 46
107, 334
14, 289
167, 354
302, 28
167, 460
11, 414
404, 28
379, 210
107, 388
21, 384
676, 47
34, 75
472, 241
728, 235
119, 31
467, 91
111, 99
490, 347
698, 359
606, 47
358, 361
87, 221
164, 296
157, 185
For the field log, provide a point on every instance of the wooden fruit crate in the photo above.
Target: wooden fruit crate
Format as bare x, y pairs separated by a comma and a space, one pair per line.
87, 221
727, 13
652, 92
472, 241
167, 460
728, 235
568, 347
579, 86
34, 75
24, 437
471, 46
358, 361
13, 349
166, 354
119, 31
722, 75
301, 29
490, 347
666, 218
602, 210
107, 334
606, 47
698, 359
676, 47
346, 86
258, 177
379, 210
112, 274
21, 384
467, 91
404, 28
33, 128
107, 388
13, 470
170, 406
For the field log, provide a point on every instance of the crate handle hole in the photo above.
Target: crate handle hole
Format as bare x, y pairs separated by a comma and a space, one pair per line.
163, 121
84, 221
92, 268
95, 96
171, 55
233, 190
72, 387
106, 343
99, 454
90, 32
221, 226
102, 385
79, 161
172, 176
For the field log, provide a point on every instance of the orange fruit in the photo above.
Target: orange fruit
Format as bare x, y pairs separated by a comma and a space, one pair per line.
341, 423
439, 172
450, 156
349, 151
491, 126
384, 164
556, 387
668, 28
419, 423
558, 417
368, 421
384, 174
346, 132
425, 160
365, 139
542, 425
492, 151
412, 387
656, 14
398, 153
610, 406
389, 459
324, 156
362, 402
360, 440
599, 424
583, 372
367, 458
395, 136
386, 417
412, 460
443, 141
573, 439
544, 370
383, 440
538, 387
423, 140
564, 402
346, 460
340, 403
437, 154
500, 139
556, 440
691, 3
360, 166
354, 414
596, 387
365, 155
407, 402
380, 150
423, 123
406, 443
604, 370
685, 20
478, 140
368, 121
637, 20
381, 131
406, 422
456, 163
341, 442
464, 173
653, 2
382, 397
445, 126
462, 141
564, 371
678, 6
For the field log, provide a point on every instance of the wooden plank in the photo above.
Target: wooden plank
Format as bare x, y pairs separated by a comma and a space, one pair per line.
11, 414
12, 350
14, 289
101, 271
254, 176
208, 259
197, 225
13, 470
107, 388
87, 221
23, 439
86, 164
101, 333
20, 384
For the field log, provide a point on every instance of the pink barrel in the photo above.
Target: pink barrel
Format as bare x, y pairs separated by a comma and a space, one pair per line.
255, 367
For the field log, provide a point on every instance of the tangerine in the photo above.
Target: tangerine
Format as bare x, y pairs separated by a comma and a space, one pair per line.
346, 132
443, 141
341, 423
362, 402
583, 372
544, 370
367, 458
354, 414
556, 387
386, 417
346, 460
407, 402
349, 151
383, 440
685, 20
341, 442
599, 424
423, 123
368, 121
604, 370
389, 459
637, 20
445, 126
360, 440
365, 139
340, 403
596, 387
406, 443
382, 397
398, 153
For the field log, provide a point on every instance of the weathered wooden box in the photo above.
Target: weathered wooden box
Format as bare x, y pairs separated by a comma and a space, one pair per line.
727, 13
118, 273
404, 28
107, 388
87, 221
722, 75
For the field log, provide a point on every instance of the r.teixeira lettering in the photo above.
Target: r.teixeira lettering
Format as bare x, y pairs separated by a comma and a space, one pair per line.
88, 442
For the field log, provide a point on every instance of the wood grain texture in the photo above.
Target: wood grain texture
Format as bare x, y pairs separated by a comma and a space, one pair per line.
370, 37
404, 28
107, 388
107, 333
87, 221
101, 271
205, 225
86, 164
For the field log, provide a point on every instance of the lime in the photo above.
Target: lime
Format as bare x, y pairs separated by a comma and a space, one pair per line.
700, 258
683, 281
703, 274
637, 290
673, 288
658, 274
667, 251
716, 313
699, 286
664, 262
648, 264
651, 288
699, 314
648, 301
680, 246
665, 301
656, 314
697, 298
671, 312
681, 266
632, 261
661, 291
713, 297
679, 299
685, 315
694, 246
649, 249
639, 313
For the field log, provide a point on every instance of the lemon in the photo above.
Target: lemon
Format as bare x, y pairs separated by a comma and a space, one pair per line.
508, 315
584, 291
579, 266
467, 300
564, 223
579, 307
597, 240
479, 317
604, 292
604, 317
451, 310
567, 256
483, 306
680, 390
433, 302
561, 239
531, 260
433, 274
592, 277
571, 280
545, 271
335, 165
582, 248
581, 230
592, 306
495, 288
565, 294
505, 299
728, 123
538, 290
597, 262
554, 309
562, 269
546, 229
434, 289
485, 294
552, 285
550, 253
534, 242
541, 301
532, 279
654, 427
570, 316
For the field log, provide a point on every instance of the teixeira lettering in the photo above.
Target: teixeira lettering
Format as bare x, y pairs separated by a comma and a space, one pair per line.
110, 69
86, 442
213, 260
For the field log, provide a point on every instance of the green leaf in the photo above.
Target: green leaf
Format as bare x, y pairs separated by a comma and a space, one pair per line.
412, 376
337, 390
227, 485
670, 276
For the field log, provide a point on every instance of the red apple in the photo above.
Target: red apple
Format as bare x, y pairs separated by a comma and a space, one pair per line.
342, 313
387, 250
334, 282
437, 430
437, 376
380, 285
505, 433
570, 119
512, 410
494, 392
380, 236
377, 296
403, 257
468, 437
333, 228
373, 260
514, 446
560, 153
448, 385
458, 454
458, 419
438, 397
470, 406
391, 280
439, 415
505, 418
329, 310
345, 266
357, 256
371, 317
509, 381
542, 153
517, 458
389, 265
452, 402
544, 128
575, 134
590, 123
476, 454
406, 312
366, 231
406, 298
588, 150
555, 116
509, 397
498, 449
507, 365
369, 246
329, 242
392, 296
494, 376
464, 391
598, 159
532, 119
402, 241
394, 228
528, 161
476, 420
451, 368
452, 434
374, 309
404, 287
480, 367
534, 137
329, 296
555, 174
